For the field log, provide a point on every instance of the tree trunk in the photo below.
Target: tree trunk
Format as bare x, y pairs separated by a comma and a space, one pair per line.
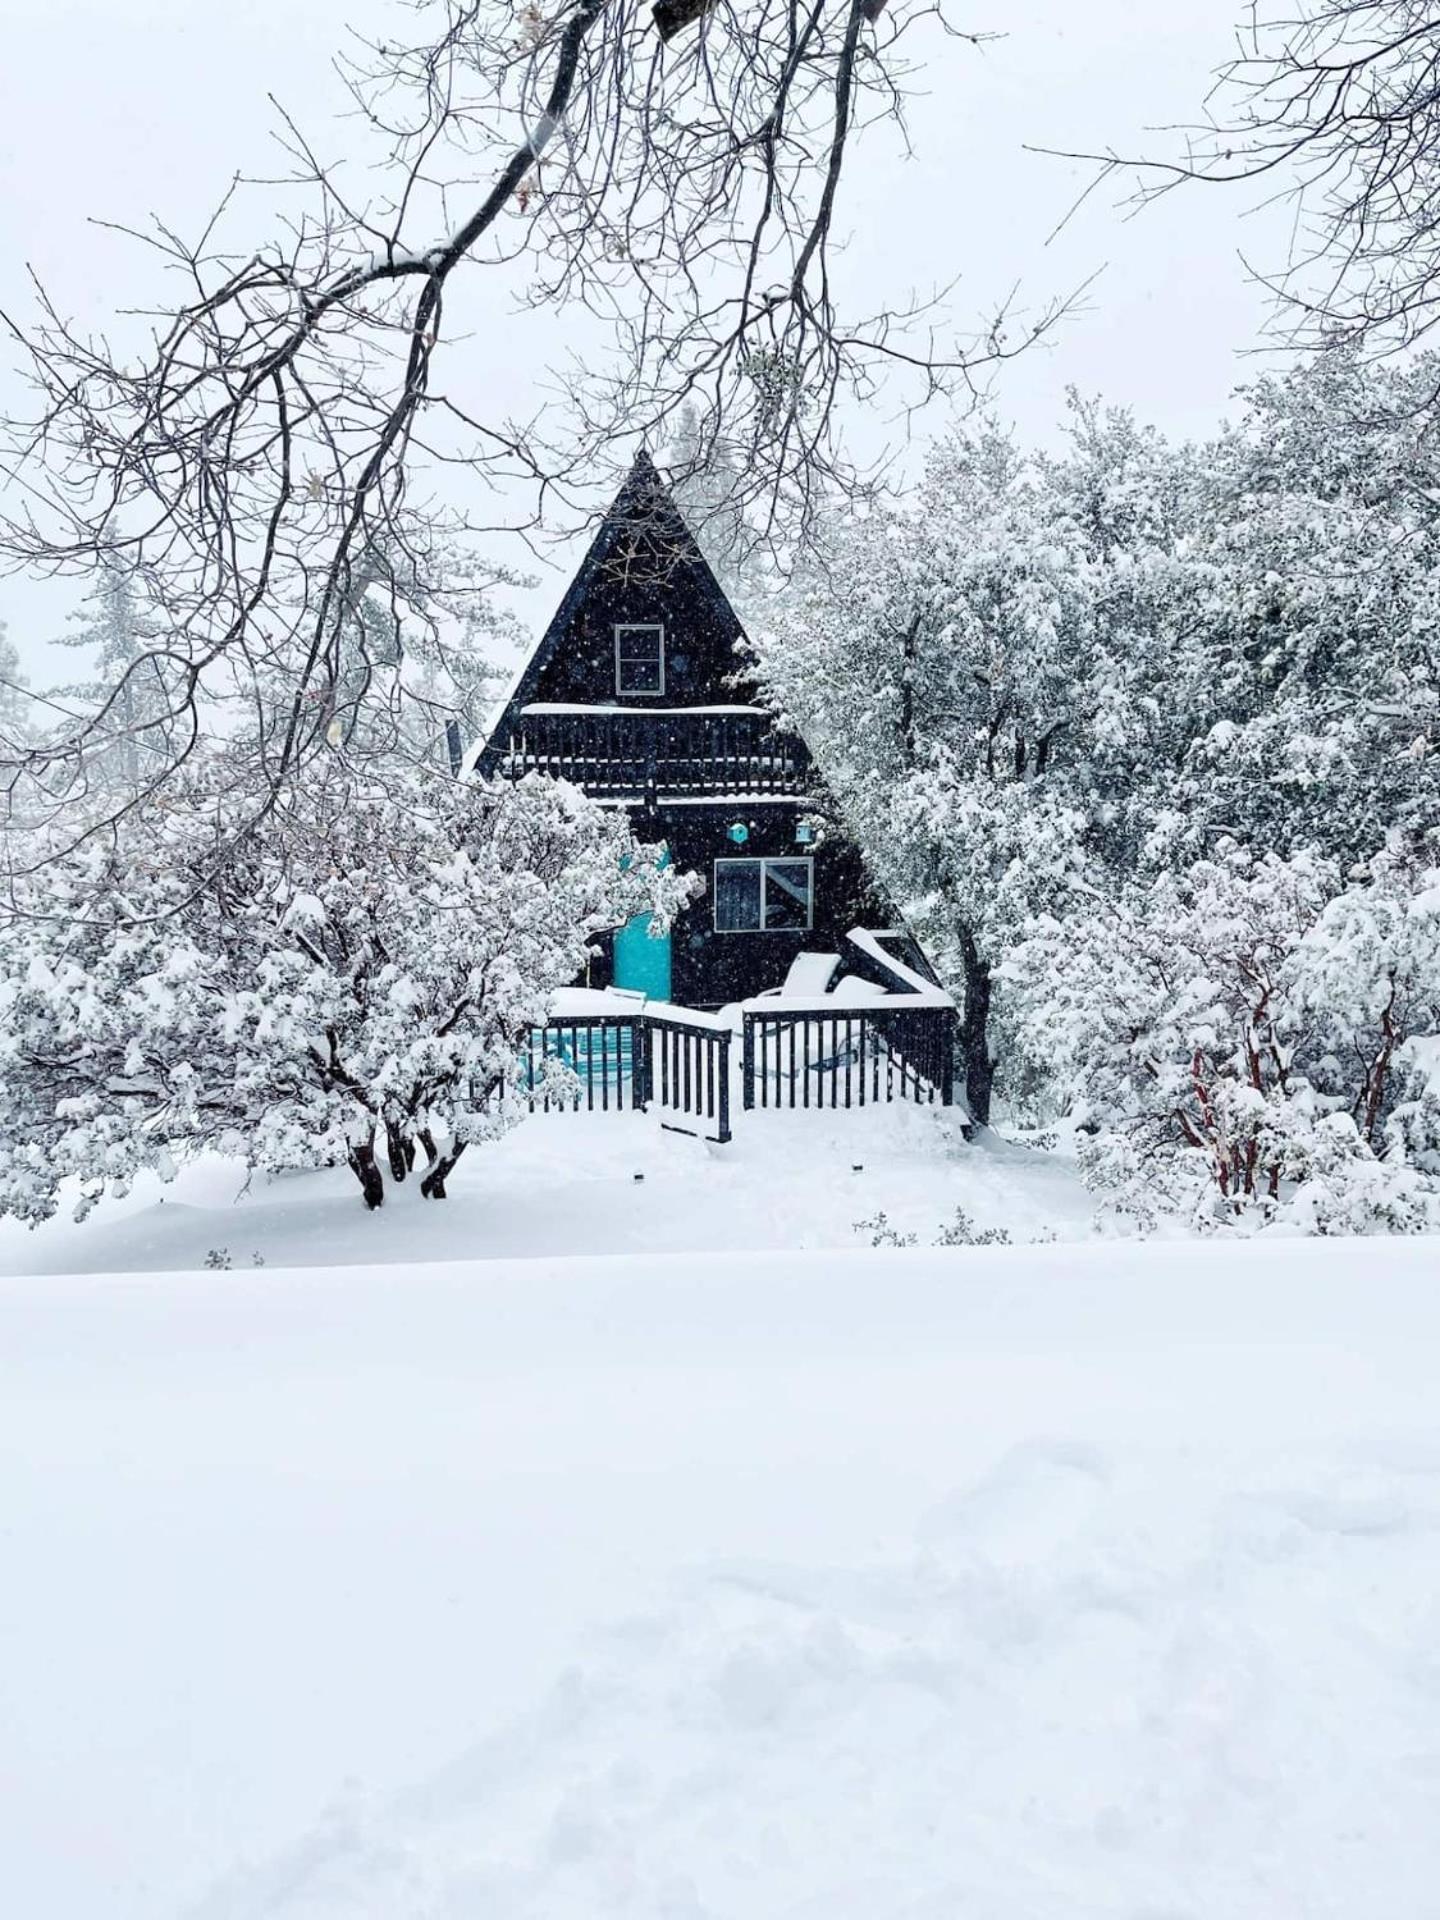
439, 1171
367, 1172
400, 1152
907, 691
975, 1031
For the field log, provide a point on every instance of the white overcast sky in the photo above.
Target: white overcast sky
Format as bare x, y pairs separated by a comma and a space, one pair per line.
117, 109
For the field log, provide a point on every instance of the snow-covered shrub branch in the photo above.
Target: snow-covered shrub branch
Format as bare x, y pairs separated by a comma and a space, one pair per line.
352, 985
1244, 1041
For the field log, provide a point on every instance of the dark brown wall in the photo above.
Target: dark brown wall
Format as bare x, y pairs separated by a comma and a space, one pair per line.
700, 638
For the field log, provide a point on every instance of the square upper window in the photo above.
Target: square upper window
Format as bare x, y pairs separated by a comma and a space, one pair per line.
764, 896
640, 659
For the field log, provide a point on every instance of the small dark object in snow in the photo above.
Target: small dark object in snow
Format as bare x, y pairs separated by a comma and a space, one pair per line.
638, 1176
859, 1167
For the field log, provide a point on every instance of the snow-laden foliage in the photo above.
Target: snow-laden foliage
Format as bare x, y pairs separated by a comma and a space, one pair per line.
1152, 712
928, 659
1236, 1035
353, 986
1163, 1015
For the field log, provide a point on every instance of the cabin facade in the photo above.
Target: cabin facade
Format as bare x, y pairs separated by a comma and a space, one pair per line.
638, 693
789, 982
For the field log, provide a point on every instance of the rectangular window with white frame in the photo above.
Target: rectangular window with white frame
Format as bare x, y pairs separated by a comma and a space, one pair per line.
764, 896
640, 658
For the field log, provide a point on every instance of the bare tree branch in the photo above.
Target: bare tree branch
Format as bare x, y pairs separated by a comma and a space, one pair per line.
1336, 107
256, 465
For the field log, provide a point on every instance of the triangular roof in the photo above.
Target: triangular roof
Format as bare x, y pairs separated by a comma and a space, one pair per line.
644, 503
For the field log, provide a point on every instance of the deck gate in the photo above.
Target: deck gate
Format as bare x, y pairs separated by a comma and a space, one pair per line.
680, 1069
632, 1063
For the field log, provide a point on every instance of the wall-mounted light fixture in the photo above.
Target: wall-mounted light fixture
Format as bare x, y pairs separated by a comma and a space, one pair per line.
738, 832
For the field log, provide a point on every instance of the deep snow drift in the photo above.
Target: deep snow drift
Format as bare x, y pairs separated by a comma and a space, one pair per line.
1092, 1580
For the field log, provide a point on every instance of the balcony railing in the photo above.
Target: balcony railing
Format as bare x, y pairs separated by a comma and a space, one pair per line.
639, 754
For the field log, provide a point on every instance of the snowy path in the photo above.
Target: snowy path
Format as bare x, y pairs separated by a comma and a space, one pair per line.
1094, 1581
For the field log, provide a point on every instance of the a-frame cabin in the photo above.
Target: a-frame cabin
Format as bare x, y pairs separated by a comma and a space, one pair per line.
639, 694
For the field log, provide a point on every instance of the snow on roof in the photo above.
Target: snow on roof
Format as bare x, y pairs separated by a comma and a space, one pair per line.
810, 973
546, 707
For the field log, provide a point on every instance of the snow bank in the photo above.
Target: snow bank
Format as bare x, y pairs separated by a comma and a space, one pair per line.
1088, 1581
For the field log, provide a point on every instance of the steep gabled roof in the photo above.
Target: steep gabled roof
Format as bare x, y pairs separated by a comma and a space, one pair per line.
643, 507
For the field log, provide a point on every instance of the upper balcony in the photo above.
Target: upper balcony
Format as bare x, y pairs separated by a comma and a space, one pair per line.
644, 754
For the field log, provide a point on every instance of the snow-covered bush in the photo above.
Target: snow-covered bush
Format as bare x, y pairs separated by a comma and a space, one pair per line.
1236, 1040
1162, 1013
349, 984
1367, 977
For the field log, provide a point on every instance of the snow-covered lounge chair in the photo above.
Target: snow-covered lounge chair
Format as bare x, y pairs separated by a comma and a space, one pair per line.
809, 976
812, 977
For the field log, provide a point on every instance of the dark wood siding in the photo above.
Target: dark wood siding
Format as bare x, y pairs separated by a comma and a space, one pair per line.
700, 641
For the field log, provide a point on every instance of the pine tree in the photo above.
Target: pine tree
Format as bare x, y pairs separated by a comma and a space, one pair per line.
126, 692
16, 706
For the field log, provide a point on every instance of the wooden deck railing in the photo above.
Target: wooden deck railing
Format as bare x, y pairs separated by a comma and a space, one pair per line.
858, 1057
624, 755
678, 1065
678, 1068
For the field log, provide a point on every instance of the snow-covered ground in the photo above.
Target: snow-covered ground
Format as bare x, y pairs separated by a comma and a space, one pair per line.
565, 1183
1086, 1579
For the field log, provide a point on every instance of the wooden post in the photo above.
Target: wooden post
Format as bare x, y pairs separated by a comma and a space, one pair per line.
947, 1059
722, 1131
748, 1062
642, 1062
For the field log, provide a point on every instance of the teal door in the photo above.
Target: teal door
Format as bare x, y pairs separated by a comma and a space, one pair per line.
642, 958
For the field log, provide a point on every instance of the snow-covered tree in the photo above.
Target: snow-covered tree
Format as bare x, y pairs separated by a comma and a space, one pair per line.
353, 985
415, 628
948, 664
1045, 675
16, 707
1312, 678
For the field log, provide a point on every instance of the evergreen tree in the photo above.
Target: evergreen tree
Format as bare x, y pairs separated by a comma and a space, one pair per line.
16, 706
126, 689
